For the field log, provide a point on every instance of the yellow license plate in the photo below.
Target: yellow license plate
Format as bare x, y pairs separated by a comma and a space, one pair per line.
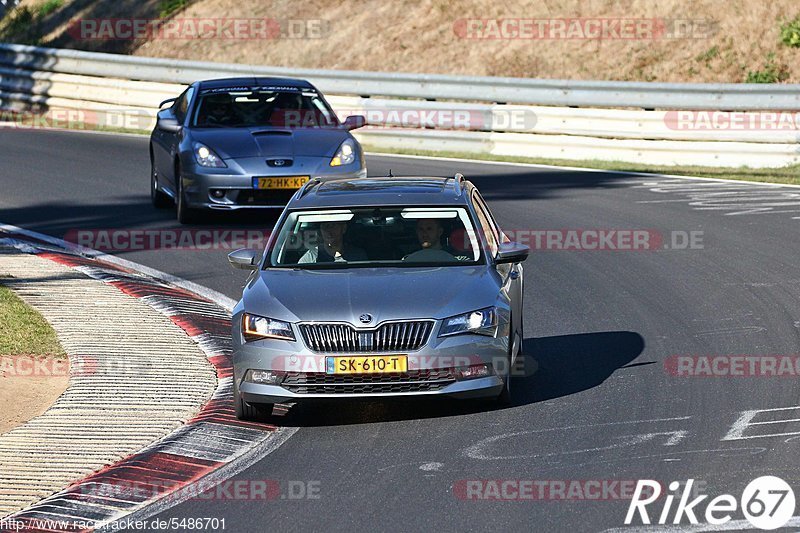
370, 364
284, 182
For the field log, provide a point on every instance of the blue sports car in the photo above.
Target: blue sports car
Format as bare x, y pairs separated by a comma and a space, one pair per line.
247, 143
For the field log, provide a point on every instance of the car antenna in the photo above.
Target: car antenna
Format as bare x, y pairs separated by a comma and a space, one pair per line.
390, 173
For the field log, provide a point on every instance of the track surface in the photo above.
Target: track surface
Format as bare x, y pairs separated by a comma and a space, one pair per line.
600, 325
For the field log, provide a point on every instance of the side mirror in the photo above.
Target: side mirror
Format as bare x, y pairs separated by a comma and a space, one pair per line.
512, 252
354, 122
167, 101
244, 259
170, 125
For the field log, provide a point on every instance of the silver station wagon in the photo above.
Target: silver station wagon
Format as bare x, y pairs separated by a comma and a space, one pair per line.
379, 288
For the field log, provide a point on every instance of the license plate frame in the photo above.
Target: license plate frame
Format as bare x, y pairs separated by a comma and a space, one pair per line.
355, 364
279, 183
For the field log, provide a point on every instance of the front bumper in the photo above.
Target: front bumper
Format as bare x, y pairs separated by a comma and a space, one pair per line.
235, 183
488, 387
431, 369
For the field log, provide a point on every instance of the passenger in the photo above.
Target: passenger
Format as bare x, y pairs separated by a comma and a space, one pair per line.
429, 235
332, 247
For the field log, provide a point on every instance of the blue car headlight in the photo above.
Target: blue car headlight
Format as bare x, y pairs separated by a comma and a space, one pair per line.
346, 154
206, 157
480, 322
256, 327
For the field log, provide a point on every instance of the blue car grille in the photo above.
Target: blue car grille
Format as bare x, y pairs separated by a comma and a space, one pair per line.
389, 337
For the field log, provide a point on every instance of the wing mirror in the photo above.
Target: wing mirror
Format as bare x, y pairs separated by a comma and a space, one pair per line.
512, 252
167, 101
170, 125
244, 259
354, 122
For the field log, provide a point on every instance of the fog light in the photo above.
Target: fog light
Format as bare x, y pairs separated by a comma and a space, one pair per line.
217, 193
264, 377
473, 371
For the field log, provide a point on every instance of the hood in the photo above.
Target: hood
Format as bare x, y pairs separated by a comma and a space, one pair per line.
385, 293
272, 142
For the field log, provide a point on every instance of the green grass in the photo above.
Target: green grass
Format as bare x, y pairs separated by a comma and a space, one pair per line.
23, 331
49, 7
771, 73
788, 175
790, 32
170, 7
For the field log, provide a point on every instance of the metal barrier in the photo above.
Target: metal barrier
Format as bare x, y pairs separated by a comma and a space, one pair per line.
697, 124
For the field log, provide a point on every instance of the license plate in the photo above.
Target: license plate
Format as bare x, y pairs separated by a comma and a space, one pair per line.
284, 182
370, 364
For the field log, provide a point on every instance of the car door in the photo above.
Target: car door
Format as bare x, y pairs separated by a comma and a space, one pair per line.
511, 273
165, 143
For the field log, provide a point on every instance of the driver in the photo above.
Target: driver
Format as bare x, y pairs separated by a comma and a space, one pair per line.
332, 247
429, 235
218, 111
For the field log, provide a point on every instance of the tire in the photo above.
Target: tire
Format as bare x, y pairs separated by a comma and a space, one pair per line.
249, 411
158, 198
186, 215
505, 399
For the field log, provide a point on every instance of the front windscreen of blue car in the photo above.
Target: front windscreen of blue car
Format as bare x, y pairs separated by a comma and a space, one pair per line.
276, 107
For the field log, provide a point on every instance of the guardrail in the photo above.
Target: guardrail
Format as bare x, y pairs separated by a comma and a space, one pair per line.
661, 123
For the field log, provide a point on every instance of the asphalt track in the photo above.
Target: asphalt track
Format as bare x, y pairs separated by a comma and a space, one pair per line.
601, 326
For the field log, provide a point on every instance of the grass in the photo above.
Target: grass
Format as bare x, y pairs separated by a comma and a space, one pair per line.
771, 73
170, 7
790, 32
23, 331
786, 175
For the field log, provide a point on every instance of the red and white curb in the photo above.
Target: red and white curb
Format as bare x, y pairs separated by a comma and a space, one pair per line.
206, 450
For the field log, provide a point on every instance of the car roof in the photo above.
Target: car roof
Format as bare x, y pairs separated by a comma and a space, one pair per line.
354, 192
227, 83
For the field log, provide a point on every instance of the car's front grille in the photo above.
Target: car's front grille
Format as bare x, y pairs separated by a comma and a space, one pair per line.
412, 381
389, 337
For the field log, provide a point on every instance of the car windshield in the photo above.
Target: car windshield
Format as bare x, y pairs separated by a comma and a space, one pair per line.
262, 107
376, 237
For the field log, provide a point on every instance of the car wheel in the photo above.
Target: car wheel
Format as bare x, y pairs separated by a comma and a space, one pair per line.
249, 411
186, 215
159, 199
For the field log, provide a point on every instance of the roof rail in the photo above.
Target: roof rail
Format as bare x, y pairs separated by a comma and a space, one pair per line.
307, 187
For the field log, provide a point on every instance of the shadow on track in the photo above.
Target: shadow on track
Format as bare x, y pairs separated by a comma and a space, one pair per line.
555, 367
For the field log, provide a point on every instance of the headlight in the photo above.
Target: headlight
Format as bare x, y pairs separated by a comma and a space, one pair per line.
345, 155
258, 327
206, 157
480, 322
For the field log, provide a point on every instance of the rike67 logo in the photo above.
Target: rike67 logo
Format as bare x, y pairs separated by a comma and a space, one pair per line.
767, 503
